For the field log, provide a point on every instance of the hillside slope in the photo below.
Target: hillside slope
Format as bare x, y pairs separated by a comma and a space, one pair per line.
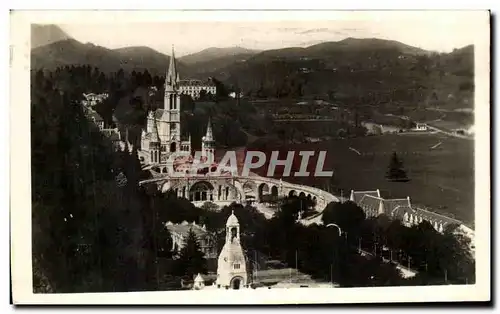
42, 35
73, 52
215, 53
358, 71
367, 72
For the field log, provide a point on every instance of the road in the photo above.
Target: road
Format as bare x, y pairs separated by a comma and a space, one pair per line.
466, 137
304, 120
407, 272
439, 130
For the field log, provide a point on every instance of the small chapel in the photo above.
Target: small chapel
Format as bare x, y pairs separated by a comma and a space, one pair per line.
163, 128
231, 266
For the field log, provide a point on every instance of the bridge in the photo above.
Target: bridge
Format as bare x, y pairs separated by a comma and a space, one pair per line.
223, 189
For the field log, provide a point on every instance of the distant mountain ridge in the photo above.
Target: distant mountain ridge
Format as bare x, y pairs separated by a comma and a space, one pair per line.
60, 49
42, 35
216, 53
73, 52
357, 67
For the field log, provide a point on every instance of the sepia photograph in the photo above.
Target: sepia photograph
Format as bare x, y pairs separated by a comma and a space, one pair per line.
297, 157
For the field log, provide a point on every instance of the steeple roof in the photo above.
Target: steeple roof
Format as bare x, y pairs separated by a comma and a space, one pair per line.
199, 278
172, 78
209, 136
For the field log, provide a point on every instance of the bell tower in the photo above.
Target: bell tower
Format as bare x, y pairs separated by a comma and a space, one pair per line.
231, 266
208, 144
170, 132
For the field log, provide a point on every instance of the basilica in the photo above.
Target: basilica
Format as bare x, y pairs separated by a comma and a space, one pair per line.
162, 135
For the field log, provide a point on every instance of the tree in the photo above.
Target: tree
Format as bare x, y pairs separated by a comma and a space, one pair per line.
396, 171
163, 240
221, 90
348, 216
203, 95
191, 259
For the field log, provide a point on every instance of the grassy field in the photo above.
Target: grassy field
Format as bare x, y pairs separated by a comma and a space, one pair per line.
442, 178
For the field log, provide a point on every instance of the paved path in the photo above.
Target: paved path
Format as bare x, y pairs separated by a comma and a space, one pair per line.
406, 272
304, 120
450, 133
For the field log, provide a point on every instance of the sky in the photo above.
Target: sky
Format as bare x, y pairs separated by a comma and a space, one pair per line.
437, 31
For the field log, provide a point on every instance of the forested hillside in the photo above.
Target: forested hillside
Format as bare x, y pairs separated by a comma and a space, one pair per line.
369, 72
355, 72
88, 232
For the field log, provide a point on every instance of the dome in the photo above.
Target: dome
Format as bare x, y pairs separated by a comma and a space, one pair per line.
232, 220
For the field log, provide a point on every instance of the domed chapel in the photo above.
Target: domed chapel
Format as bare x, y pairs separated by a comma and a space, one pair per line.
231, 266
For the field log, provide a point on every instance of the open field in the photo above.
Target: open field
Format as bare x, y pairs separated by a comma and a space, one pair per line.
442, 176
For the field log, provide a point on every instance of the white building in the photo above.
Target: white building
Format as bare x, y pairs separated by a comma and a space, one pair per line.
421, 127
193, 88
163, 129
235, 95
199, 282
92, 99
231, 267
180, 232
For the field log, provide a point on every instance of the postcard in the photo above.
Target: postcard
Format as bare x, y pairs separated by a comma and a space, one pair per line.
225, 157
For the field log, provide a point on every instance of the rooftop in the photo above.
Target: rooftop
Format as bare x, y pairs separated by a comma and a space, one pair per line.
358, 195
183, 228
208, 82
436, 217
93, 115
391, 204
370, 201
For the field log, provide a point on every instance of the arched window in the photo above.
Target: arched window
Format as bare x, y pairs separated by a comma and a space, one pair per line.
234, 234
201, 191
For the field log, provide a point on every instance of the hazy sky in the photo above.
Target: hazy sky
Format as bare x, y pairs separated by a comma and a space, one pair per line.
440, 32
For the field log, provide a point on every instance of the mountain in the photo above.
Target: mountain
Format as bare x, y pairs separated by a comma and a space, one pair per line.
363, 71
42, 35
147, 58
353, 44
356, 54
209, 54
73, 52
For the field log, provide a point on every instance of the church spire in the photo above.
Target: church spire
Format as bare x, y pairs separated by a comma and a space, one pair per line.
209, 136
172, 77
